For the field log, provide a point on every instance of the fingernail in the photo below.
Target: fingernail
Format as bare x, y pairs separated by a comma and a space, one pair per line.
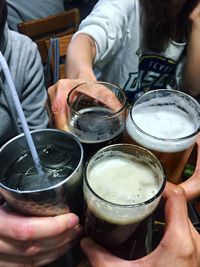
72, 220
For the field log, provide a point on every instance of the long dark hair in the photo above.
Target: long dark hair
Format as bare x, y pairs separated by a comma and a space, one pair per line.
163, 20
3, 14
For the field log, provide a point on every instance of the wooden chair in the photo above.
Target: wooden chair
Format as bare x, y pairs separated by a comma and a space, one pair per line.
43, 29
63, 44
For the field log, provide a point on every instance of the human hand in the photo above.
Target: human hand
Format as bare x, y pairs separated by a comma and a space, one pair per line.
35, 241
180, 245
192, 185
57, 102
194, 15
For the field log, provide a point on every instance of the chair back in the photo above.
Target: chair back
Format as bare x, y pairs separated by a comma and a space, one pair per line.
56, 63
43, 29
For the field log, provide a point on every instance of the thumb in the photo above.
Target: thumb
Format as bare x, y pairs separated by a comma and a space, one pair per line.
57, 104
59, 119
99, 256
176, 217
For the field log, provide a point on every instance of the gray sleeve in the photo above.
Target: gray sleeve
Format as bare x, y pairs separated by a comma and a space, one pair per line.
34, 92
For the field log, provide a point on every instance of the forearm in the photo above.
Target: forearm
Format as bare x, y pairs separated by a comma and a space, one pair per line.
80, 56
191, 75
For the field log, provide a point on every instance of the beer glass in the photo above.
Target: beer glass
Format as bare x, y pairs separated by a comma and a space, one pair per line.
166, 122
96, 114
122, 187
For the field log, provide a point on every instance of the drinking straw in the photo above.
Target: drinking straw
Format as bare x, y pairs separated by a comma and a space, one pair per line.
20, 113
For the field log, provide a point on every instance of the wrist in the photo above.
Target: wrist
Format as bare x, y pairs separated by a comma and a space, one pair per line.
194, 34
195, 25
83, 72
87, 76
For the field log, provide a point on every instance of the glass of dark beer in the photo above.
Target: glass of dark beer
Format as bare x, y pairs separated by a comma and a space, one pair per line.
96, 114
166, 122
122, 187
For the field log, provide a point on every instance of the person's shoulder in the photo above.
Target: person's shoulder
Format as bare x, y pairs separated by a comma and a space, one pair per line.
20, 40
22, 49
127, 3
112, 9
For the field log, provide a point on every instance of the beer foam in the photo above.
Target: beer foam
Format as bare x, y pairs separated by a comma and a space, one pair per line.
132, 182
123, 181
161, 122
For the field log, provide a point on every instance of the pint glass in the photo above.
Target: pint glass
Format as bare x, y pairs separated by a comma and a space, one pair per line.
122, 187
166, 122
96, 114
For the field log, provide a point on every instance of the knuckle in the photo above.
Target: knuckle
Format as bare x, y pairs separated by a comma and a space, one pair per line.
51, 90
55, 108
61, 83
179, 191
176, 191
22, 232
31, 250
188, 252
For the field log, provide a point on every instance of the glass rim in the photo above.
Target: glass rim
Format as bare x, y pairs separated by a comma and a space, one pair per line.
161, 138
35, 191
101, 83
126, 205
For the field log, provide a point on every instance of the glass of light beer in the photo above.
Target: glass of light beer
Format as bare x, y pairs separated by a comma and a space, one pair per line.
166, 122
122, 187
97, 112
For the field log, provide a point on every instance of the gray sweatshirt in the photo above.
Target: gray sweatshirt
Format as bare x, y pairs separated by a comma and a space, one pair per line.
26, 69
24, 10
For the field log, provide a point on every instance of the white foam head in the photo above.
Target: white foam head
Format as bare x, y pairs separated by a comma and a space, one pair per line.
164, 128
123, 180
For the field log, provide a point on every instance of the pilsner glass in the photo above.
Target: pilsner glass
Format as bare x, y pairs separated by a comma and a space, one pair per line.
122, 187
96, 114
166, 122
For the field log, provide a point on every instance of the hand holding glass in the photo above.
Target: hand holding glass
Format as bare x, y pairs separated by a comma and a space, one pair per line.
96, 114
122, 187
166, 122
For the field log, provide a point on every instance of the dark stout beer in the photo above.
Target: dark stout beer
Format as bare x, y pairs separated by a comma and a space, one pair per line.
97, 128
96, 114
121, 190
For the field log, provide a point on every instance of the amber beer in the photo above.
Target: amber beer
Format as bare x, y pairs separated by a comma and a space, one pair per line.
166, 122
122, 187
